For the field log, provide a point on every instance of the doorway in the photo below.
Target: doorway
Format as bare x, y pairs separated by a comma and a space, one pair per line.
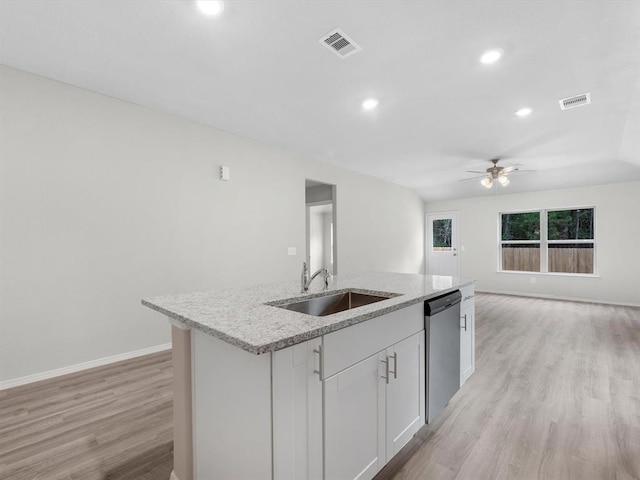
320, 201
442, 244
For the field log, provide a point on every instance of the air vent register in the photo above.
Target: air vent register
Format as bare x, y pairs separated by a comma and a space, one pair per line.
339, 43
575, 101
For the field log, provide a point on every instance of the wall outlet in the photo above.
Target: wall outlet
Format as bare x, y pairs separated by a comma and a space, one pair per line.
291, 250
533, 279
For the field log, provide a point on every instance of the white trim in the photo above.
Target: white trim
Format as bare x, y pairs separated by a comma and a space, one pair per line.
173, 476
556, 297
192, 362
16, 382
550, 274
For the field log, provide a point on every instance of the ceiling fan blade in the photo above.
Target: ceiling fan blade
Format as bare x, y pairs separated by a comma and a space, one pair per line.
472, 178
475, 171
522, 171
511, 168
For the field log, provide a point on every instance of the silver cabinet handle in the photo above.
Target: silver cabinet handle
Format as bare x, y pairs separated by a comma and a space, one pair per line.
395, 365
386, 367
465, 322
320, 370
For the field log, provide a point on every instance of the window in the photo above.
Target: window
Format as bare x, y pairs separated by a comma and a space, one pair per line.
521, 241
548, 241
442, 235
570, 241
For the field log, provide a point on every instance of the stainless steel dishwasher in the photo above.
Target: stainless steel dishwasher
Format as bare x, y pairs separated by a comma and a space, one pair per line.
442, 326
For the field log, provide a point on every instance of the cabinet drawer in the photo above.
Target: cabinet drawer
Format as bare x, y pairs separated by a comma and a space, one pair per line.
348, 346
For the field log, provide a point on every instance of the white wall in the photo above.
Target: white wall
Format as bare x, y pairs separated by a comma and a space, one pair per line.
617, 232
103, 202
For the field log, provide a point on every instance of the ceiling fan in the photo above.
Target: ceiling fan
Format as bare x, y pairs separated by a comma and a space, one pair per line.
496, 173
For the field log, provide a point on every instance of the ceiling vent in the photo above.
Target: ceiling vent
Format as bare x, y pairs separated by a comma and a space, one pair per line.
577, 101
339, 43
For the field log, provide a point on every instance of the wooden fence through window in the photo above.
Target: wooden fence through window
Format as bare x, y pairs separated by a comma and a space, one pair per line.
561, 260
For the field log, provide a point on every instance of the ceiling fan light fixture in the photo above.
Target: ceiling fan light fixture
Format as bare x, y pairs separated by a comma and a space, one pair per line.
486, 182
504, 181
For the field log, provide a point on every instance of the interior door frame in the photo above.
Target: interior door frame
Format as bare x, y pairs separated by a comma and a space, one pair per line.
455, 236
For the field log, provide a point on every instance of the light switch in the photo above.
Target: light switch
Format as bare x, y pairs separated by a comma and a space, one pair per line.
291, 250
224, 173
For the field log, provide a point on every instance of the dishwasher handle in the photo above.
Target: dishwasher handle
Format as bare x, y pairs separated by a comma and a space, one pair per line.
436, 305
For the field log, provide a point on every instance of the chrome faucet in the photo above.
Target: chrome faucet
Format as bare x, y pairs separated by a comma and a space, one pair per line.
305, 281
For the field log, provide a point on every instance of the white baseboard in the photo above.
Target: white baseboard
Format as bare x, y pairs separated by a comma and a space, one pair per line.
173, 476
16, 382
556, 297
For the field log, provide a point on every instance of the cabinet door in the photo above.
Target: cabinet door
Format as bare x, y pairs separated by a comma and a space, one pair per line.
467, 341
354, 441
467, 333
405, 392
297, 412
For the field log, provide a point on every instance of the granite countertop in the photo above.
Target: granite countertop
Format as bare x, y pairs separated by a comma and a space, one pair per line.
240, 316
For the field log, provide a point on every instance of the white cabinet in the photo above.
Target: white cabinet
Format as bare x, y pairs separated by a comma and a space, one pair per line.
346, 347
373, 408
405, 391
467, 333
336, 407
297, 412
256, 414
354, 421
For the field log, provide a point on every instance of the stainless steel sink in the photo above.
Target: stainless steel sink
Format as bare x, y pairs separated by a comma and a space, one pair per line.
334, 302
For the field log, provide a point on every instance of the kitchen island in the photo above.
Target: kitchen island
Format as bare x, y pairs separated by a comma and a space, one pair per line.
265, 392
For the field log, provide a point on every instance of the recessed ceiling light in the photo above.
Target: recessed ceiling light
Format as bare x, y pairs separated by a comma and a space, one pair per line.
523, 112
491, 56
211, 7
370, 103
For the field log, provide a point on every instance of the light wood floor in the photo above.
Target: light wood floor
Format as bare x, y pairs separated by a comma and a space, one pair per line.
112, 422
556, 395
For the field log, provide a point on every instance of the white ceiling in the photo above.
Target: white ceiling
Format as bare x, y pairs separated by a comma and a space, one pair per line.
259, 71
